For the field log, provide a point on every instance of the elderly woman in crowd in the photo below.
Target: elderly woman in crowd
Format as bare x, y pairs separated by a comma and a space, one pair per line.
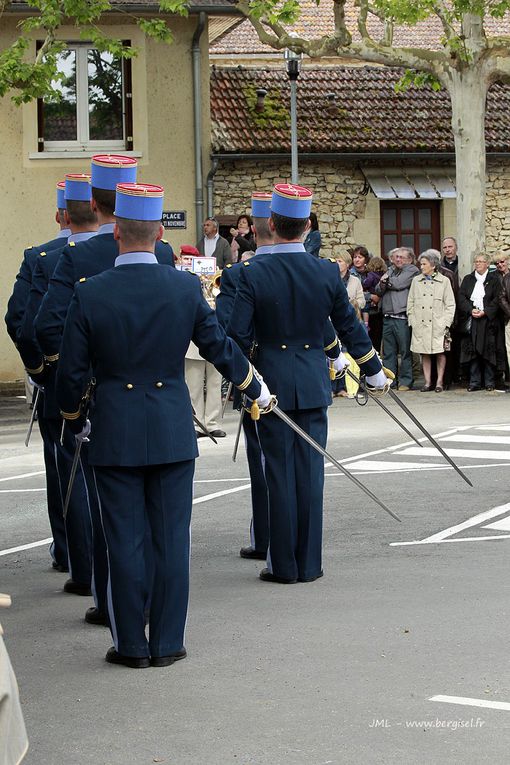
352, 283
430, 312
481, 345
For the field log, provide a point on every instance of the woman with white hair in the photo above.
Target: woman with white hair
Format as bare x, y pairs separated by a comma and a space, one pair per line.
479, 326
430, 312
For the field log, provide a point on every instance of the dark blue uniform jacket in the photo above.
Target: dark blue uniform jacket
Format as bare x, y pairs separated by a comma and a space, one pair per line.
284, 300
81, 261
133, 324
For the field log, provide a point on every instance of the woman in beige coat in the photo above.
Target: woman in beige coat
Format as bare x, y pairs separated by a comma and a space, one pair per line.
430, 311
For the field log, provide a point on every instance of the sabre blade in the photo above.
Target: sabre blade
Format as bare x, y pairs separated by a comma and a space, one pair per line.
203, 428
430, 438
227, 397
238, 434
72, 476
276, 409
383, 406
32, 416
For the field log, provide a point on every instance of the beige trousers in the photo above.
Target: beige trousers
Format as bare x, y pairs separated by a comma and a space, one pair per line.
204, 384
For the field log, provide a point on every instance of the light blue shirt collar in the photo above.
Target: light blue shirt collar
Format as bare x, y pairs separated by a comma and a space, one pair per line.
64, 232
288, 247
82, 236
264, 249
106, 228
134, 258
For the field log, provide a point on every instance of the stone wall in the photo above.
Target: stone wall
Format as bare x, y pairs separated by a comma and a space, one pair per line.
346, 214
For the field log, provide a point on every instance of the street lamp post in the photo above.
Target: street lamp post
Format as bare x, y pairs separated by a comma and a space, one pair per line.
293, 68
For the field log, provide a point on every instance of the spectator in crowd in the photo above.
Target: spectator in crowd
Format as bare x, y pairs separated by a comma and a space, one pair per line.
430, 312
504, 303
393, 288
212, 245
478, 323
449, 249
242, 237
313, 238
352, 283
375, 269
13, 735
360, 258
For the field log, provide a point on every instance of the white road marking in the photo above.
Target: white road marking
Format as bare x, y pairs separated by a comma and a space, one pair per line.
26, 547
505, 428
23, 475
477, 454
464, 701
448, 541
449, 532
376, 466
502, 525
19, 491
470, 439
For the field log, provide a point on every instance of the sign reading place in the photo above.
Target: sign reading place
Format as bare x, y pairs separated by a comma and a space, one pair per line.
174, 219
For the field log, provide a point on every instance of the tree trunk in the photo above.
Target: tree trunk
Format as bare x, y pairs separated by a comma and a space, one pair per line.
468, 93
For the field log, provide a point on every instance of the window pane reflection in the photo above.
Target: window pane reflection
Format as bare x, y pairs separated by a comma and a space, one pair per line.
60, 121
105, 96
407, 219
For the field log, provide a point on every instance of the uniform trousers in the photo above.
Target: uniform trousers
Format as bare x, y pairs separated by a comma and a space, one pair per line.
129, 497
259, 526
202, 374
77, 525
295, 480
58, 549
507, 342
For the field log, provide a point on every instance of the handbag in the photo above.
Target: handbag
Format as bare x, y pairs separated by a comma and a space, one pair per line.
447, 340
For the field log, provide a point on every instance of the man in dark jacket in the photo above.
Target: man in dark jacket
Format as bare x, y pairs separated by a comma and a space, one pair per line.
394, 288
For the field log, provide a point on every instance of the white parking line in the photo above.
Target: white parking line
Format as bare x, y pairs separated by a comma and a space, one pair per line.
23, 475
476, 454
465, 701
26, 547
475, 520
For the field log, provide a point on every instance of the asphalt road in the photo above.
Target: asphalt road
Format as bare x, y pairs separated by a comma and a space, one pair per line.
342, 670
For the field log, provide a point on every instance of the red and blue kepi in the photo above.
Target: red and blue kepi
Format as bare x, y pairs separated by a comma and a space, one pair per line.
139, 201
110, 169
291, 201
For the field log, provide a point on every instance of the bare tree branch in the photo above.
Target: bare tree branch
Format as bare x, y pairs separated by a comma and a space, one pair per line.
442, 12
48, 41
341, 31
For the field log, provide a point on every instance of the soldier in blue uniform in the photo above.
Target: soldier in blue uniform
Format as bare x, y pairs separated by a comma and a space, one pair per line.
82, 223
259, 525
78, 262
13, 319
133, 325
284, 301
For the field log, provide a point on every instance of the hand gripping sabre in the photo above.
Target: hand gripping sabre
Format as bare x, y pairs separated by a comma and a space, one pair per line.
84, 408
33, 406
273, 407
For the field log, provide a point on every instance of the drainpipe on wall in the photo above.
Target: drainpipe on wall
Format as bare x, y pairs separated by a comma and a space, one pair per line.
210, 187
197, 122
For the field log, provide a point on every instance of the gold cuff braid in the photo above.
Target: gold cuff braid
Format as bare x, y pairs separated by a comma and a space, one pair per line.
366, 357
331, 345
55, 357
247, 380
71, 415
35, 371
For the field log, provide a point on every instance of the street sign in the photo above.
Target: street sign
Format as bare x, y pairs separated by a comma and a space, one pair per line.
174, 219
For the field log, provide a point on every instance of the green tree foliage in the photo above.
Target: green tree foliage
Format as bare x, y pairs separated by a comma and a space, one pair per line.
26, 75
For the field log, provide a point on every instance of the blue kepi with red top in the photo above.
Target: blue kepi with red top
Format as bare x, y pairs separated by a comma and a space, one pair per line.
139, 201
110, 169
261, 204
77, 187
291, 201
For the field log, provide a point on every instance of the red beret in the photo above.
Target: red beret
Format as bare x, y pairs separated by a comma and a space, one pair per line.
187, 249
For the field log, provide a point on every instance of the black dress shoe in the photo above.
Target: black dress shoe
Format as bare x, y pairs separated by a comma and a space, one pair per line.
166, 661
312, 578
267, 576
59, 567
75, 588
218, 433
135, 662
199, 434
472, 388
249, 552
489, 387
95, 616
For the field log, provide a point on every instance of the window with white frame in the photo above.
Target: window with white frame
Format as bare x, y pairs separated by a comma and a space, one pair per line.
91, 109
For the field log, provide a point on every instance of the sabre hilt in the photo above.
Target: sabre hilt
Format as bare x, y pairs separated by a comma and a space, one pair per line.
254, 410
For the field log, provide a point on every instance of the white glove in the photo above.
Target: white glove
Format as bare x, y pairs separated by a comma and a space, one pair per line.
379, 382
265, 396
36, 385
83, 436
341, 362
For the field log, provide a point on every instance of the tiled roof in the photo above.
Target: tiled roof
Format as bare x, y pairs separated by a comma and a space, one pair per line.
341, 109
317, 21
